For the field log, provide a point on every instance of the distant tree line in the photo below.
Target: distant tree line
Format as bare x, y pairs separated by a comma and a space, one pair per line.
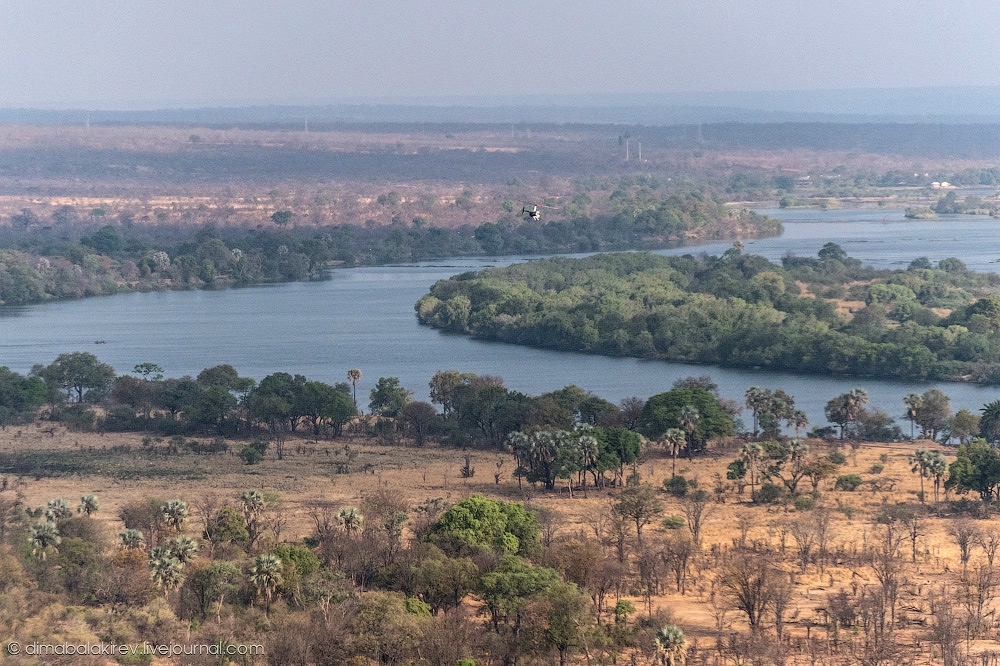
41, 263
555, 435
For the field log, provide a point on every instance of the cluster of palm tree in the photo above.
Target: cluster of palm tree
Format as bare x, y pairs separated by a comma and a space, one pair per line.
45, 535
546, 455
929, 464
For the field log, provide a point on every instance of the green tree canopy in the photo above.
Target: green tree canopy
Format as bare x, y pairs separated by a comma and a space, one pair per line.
663, 411
506, 528
81, 375
976, 468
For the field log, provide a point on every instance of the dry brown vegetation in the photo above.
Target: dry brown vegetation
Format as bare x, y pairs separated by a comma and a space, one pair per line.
832, 599
450, 175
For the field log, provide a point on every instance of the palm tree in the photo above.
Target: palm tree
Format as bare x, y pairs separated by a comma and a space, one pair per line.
913, 402
857, 398
351, 519
673, 438
44, 535
58, 509
756, 401
921, 463
688, 420
131, 539
752, 454
799, 421
354, 376
938, 467
89, 505
590, 450
175, 512
166, 570
670, 645
184, 548
989, 424
266, 577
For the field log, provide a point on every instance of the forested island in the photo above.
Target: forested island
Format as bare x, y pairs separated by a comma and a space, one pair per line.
825, 315
47, 266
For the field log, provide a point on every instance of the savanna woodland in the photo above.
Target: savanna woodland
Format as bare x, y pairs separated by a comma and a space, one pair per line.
350, 523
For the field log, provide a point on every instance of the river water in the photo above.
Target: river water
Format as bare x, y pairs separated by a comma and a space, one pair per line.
363, 318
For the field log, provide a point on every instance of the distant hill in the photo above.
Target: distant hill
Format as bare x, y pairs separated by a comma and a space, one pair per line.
949, 105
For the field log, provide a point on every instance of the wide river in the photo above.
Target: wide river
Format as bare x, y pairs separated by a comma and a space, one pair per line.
363, 318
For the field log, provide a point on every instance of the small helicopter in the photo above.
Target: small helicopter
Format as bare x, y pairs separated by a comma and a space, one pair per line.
533, 213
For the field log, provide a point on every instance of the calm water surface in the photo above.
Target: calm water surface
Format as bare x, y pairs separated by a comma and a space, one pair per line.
364, 318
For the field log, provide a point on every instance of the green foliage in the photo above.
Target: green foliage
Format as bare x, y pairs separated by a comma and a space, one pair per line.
676, 486
20, 397
511, 584
673, 522
505, 528
847, 482
804, 503
976, 468
417, 607
281, 217
228, 526
735, 310
253, 453
304, 560
770, 493
665, 410
81, 375
388, 398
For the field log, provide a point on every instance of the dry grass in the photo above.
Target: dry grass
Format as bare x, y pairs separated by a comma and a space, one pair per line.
312, 475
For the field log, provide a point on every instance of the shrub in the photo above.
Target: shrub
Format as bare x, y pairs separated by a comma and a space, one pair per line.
876, 468
805, 503
837, 457
673, 522
676, 485
254, 452
847, 482
769, 493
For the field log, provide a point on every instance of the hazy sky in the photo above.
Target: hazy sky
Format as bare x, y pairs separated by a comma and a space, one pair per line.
181, 53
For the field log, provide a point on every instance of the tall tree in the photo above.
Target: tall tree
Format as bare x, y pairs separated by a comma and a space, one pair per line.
932, 412
920, 464
846, 408
80, 374
388, 397
266, 576
354, 376
989, 423
639, 504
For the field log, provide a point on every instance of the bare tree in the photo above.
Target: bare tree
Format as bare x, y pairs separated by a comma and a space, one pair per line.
979, 594
620, 529
966, 534
803, 530
945, 630
878, 645
821, 518
748, 582
677, 552
887, 567
989, 540
745, 521
604, 579
697, 507
781, 596
649, 565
